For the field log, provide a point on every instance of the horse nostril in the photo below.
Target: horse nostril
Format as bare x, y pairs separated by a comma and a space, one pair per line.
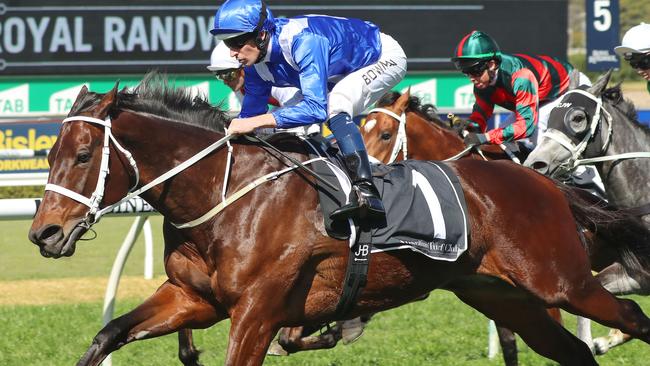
540, 167
49, 234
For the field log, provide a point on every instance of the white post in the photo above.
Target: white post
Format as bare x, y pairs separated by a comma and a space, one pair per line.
116, 272
583, 331
148, 250
493, 340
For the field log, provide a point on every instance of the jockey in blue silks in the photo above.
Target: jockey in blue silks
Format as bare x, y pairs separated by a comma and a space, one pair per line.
341, 66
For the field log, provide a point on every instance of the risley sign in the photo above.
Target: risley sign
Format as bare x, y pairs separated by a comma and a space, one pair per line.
68, 38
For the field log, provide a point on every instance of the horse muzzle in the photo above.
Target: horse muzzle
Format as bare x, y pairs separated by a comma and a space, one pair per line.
53, 242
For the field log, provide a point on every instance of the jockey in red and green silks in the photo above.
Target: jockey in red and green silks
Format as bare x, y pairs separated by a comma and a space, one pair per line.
519, 83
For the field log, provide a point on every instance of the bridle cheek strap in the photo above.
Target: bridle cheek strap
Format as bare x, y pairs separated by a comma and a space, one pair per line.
401, 143
95, 199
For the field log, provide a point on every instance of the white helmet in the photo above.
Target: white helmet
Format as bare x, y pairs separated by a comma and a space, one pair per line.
221, 59
635, 40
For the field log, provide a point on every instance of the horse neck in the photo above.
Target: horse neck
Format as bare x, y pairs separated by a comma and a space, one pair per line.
626, 181
428, 141
167, 145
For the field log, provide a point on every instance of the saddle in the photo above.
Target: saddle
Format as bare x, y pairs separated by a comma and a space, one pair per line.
425, 206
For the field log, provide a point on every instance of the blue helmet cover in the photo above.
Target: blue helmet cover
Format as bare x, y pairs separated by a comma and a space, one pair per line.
240, 16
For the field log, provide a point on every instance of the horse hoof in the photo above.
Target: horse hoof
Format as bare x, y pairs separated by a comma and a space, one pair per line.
601, 346
275, 349
352, 330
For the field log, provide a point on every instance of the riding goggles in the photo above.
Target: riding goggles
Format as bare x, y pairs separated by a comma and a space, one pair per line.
639, 61
228, 75
475, 70
240, 41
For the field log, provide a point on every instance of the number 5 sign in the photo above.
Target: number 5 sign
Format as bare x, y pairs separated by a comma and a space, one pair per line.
602, 34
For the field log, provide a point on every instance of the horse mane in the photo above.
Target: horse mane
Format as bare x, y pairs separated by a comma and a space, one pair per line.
427, 111
155, 95
614, 96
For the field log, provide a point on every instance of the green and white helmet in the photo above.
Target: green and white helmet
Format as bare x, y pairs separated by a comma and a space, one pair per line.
474, 48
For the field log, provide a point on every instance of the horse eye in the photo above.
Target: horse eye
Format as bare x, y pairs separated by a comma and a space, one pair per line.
386, 135
83, 157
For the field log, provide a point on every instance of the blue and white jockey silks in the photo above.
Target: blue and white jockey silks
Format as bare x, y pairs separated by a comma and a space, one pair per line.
341, 66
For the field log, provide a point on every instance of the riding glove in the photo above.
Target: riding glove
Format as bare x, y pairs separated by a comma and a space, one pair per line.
475, 139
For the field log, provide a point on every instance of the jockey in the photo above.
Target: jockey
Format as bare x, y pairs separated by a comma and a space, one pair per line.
635, 49
520, 83
231, 72
341, 66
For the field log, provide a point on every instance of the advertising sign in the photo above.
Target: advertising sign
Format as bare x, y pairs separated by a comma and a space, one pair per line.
602, 34
44, 37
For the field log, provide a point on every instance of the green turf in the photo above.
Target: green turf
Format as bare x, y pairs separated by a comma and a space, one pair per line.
20, 259
438, 331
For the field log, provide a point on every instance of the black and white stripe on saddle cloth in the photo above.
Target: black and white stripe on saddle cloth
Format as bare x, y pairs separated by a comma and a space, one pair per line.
425, 208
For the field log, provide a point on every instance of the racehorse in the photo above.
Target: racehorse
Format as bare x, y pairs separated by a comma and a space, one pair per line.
264, 260
597, 125
400, 125
427, 137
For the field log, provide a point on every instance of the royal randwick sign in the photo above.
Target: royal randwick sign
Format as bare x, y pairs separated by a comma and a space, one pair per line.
46, 37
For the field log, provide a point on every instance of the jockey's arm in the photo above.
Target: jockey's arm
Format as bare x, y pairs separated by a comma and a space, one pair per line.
254, 109
481, 112
525, 87
310, 54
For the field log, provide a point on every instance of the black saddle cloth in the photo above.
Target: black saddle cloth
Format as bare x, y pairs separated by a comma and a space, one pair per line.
425, 206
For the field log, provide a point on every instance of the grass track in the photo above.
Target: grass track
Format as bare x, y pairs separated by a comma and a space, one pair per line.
438, 331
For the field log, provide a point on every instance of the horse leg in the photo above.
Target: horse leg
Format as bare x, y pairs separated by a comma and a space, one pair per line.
251, 333
533, 324
593, 301
187, 353
613, 339
583, 331
616, 280
508, 343
168, 310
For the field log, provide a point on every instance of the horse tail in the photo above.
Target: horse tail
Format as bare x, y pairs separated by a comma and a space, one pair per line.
619, 229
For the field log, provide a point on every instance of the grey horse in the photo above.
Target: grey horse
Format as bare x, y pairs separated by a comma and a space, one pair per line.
596, 125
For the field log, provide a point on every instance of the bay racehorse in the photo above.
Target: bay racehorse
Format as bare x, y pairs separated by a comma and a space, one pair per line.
596, 125
264, 261
427, 137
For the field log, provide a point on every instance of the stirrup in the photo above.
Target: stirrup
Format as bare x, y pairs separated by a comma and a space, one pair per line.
365, 205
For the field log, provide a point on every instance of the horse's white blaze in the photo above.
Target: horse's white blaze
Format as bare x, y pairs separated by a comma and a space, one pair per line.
419, 181
369, 125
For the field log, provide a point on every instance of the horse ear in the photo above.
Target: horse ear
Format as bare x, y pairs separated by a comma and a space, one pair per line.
403, 101
107, 102
80, 97
574, 79
601, 84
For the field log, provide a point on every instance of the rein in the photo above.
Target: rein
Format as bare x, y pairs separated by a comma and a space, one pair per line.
94, 213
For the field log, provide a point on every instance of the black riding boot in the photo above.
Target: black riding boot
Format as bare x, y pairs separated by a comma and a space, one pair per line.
365, 201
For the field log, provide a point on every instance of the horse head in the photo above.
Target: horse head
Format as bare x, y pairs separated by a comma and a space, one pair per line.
384, 132
579, 126
77, 164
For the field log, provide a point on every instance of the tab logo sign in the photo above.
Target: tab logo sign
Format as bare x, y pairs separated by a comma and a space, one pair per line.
427, 91
15, 100
62, 101
464, 97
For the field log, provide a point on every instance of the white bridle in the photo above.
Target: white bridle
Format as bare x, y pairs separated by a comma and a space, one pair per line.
576, 151
94, 213
401, 143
